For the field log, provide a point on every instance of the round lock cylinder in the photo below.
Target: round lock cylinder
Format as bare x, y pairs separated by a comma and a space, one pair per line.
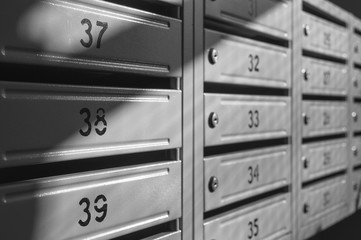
354, 150
355, 83
306, 208
306, 29
306, 119
305, 162
306, 74
354, 116
213, 120
213, 184
213, 56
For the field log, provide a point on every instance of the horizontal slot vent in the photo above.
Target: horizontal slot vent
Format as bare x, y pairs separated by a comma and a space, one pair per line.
68, 167
323, 57
317, 12
59, 75
242, 89
324, 178
244, 202
323, 138
229, 148
244, 32
149, 232
158, 7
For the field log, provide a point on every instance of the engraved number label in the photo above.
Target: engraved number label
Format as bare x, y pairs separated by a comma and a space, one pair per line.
89, 42
100, 120
102, 210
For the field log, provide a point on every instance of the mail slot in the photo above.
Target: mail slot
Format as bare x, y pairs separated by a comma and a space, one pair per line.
176, 235
356, 187
356, 117
94, 205
323, 117
356, 151
322, 198
90, 34
320, 159
324, 77
271, 217
244, 174
46, 123
356, 81
236, 118
271, 17
324, 37
243, 61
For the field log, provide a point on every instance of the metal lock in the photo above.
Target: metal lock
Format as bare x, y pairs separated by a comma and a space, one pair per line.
354, 150
213, 120
306, 29
306, 74
306, 208
306, 119
355, 83
355, 187
213, 184
354, 116
306, 162
213, 56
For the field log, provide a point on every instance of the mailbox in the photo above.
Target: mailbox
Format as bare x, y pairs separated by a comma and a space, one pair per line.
244, 174
322, 158
324, 77
100, 204
46, 122
323, 198
321, 36
321, 118
90, 34
237, 60
239, 118
271, 17
266, 219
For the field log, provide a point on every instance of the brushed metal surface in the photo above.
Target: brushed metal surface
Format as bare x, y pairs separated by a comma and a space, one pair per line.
245, 61
269, 219
90, 34
69, 206
270, 17
47, 122
246, 118
244, 174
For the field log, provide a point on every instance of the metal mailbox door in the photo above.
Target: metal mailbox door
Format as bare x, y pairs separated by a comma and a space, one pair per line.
324, 77
356, 151
46, 123
356, 82
356, 37
356, 117
324, 37
96, 205
271, 217
244, 174
90, 34
241, 118
356, 198
322, 198
323, 117
320, 159
271, 17
236, 60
